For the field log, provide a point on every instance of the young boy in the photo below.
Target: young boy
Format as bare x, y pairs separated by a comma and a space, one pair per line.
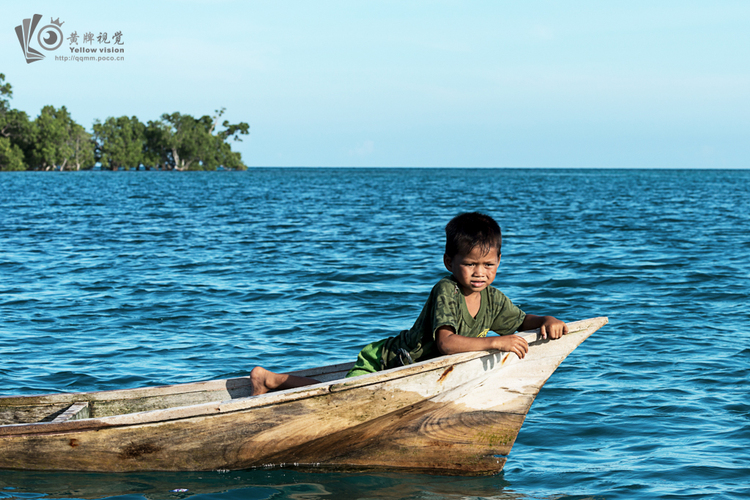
461, 309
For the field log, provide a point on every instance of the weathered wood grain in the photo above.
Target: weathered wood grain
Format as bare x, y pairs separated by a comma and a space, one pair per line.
76, 411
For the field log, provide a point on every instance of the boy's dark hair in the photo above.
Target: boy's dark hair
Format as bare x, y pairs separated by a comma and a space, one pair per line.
469, 230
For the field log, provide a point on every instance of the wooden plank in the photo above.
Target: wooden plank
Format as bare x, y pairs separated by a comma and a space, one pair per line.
30, 413
76, 411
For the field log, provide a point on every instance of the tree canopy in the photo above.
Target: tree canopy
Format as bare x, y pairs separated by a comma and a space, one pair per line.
195, 144
119, 142
11, 155
54, 141
59, 142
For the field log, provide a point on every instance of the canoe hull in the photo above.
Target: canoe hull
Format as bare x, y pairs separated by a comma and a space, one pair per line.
455, 414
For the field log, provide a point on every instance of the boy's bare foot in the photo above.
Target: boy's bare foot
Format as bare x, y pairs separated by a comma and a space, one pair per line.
264, 381
258, 378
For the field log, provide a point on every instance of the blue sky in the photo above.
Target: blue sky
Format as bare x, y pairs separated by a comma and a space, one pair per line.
416, 83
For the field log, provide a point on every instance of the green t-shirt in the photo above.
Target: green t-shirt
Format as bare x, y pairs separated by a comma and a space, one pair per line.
446, 306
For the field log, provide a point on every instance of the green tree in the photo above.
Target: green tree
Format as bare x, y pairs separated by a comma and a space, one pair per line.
82, 148
6, 92
55, 141
224, 154
156, 151
11, 156
15, 131
53, 134
194, 144
120, 142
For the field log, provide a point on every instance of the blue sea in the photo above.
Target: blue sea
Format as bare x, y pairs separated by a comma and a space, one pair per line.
128, 279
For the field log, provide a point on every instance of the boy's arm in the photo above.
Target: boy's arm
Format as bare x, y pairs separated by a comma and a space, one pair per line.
450, 343
551, 327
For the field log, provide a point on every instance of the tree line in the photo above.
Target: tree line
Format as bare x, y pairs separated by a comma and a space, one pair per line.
54, 141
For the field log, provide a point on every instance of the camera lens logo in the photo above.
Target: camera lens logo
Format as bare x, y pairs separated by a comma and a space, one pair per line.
50, 37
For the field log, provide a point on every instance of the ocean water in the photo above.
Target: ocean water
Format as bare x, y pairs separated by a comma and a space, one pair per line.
126, 279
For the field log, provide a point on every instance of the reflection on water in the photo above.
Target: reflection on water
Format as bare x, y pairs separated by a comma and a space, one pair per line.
257, 484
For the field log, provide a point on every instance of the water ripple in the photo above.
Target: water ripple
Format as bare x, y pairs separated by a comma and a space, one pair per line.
114, 280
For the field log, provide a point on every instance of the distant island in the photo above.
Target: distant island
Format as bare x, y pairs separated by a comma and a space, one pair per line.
54, 141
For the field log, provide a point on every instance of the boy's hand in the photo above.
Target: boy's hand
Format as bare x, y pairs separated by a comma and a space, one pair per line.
450, 343
511, 343
553, 328
549, 326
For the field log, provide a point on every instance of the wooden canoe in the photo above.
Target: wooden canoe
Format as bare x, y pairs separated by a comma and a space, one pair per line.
456, 414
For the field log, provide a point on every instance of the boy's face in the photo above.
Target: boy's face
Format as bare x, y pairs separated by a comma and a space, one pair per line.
474, 271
